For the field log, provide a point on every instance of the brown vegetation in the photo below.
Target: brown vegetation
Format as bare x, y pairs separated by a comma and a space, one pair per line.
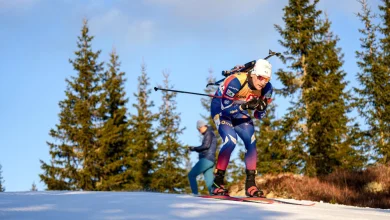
368, 188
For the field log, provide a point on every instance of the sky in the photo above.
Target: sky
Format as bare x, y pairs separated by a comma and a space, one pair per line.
186, 38
140, 205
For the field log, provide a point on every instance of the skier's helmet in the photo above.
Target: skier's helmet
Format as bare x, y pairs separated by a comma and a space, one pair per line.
262, 68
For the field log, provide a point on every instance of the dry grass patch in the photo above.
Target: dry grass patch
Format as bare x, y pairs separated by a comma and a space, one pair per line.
368, 188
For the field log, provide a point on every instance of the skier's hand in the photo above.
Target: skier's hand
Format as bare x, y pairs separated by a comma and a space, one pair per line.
262, 105
251, 104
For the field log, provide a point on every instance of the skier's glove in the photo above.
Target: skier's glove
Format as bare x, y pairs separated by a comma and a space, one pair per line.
251, 104
262, 105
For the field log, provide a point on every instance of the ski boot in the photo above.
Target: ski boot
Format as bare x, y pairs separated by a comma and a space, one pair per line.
218, 187
251, 189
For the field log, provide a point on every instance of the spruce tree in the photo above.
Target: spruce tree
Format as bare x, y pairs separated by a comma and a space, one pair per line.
74, 163
299, 18
114, 134
368, 62
34, 187
169, 173
2, 188
330, 146
315, 126
142, 140
381, 89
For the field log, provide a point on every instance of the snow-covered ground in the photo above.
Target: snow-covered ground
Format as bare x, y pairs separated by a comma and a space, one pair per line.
61, 205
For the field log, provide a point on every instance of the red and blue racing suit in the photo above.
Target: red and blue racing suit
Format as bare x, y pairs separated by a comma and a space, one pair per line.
231, 121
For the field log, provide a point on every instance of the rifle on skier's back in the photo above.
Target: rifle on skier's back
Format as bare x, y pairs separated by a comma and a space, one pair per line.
246, 67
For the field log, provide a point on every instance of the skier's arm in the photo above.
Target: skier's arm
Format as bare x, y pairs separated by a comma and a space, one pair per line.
231, 88
266, 95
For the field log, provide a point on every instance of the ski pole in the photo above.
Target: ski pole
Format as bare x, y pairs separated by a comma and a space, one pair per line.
194, 93
202, 94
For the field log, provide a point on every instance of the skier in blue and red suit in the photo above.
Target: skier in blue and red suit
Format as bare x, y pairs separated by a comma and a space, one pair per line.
238, 93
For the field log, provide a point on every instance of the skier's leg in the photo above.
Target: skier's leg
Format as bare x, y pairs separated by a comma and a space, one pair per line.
245, 130
250, 184
229, 139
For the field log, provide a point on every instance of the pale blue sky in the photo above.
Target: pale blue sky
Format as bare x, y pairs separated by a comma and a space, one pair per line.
186, 37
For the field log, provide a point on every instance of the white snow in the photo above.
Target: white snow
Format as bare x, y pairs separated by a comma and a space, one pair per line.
64, 205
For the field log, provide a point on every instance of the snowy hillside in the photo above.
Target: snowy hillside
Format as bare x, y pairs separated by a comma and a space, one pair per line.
141, 205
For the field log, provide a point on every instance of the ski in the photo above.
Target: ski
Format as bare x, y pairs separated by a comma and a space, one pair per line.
293, 203
241, 199
257, 200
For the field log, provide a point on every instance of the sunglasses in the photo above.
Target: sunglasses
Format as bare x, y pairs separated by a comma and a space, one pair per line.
261, 78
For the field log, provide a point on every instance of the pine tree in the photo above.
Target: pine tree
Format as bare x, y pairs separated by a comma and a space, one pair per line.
34, 187
315, 127
115, 132
74, 164
142, 138
169, 173
2, 188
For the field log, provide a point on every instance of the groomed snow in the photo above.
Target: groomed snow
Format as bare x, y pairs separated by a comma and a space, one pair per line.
66, 205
